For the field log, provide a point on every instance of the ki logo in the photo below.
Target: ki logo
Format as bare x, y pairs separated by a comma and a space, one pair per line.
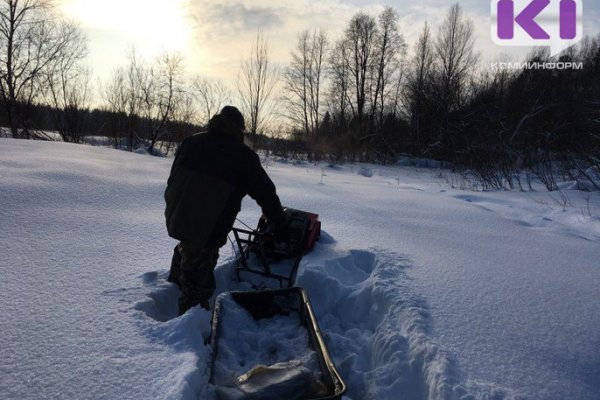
554, 23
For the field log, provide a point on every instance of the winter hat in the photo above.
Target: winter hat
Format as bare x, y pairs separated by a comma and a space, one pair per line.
234, 115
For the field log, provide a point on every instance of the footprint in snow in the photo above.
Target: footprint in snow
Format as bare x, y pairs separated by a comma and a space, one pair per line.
352, 268
161, 303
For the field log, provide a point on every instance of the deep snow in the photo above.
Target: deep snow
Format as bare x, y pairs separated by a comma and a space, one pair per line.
247, 349
421, 291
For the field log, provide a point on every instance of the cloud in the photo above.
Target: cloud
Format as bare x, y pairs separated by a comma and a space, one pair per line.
235, 17
226, 29
591, 20
231, 18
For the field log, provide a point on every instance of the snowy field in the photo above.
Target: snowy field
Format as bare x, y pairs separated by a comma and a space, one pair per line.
421, 291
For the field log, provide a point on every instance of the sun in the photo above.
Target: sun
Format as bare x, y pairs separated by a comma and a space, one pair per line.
151, 26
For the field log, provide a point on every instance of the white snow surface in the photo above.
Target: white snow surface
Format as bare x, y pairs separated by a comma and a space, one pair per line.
421, 291
245, 342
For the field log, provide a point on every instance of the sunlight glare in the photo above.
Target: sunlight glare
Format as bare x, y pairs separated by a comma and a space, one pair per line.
152, 26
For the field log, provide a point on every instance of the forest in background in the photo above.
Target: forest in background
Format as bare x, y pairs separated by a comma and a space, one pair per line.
365, 95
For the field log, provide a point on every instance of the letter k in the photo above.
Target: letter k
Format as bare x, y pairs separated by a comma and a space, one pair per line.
527, 19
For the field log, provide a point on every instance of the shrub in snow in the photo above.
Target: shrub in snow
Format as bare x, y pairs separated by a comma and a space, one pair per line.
366, 172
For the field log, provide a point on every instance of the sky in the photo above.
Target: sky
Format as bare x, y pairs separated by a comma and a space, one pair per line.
215, 35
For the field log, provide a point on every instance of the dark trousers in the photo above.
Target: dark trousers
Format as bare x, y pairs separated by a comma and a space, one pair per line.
192, 269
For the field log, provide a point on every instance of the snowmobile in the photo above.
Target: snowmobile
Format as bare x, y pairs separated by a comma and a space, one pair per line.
266, 258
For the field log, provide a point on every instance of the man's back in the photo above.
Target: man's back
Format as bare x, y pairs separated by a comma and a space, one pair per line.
232, 167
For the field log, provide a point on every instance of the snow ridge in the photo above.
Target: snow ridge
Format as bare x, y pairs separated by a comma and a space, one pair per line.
377, 328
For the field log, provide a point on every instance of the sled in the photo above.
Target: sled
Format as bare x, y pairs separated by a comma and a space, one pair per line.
263, 254
288, 378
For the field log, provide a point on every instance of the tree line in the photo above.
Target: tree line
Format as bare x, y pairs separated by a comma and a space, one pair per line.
366, 95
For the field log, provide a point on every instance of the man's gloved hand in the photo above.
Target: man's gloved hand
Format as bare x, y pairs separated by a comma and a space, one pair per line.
279, 228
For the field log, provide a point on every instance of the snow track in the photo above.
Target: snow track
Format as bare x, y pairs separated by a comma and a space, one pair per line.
377, 327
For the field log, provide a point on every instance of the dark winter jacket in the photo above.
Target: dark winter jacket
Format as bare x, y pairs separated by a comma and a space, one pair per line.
211, 174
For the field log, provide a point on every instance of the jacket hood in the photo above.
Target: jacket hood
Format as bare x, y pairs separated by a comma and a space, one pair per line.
221, 125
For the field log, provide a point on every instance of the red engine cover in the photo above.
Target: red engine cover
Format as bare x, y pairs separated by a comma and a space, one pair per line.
314, 231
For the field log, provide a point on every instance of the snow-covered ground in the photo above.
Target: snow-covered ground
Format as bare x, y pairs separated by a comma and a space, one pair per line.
421, 291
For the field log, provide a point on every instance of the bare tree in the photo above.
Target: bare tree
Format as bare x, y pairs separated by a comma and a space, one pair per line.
212, 96
159, 88
455, 57
133, 98
256, 84
418, 85
69, 94
30, 40
303, 79
318, 53
295, 81
114, 95
123, 99
185, 113
339, 92
389, 48
68, 88
144, 98
361, 36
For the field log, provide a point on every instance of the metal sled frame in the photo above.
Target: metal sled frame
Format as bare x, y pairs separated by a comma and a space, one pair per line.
248, 241
271, 303
303, 230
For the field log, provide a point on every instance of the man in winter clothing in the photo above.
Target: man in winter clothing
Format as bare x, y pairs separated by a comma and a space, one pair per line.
211, 174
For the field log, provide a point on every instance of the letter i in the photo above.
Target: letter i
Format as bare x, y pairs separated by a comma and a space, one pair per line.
568, 19
506, 18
